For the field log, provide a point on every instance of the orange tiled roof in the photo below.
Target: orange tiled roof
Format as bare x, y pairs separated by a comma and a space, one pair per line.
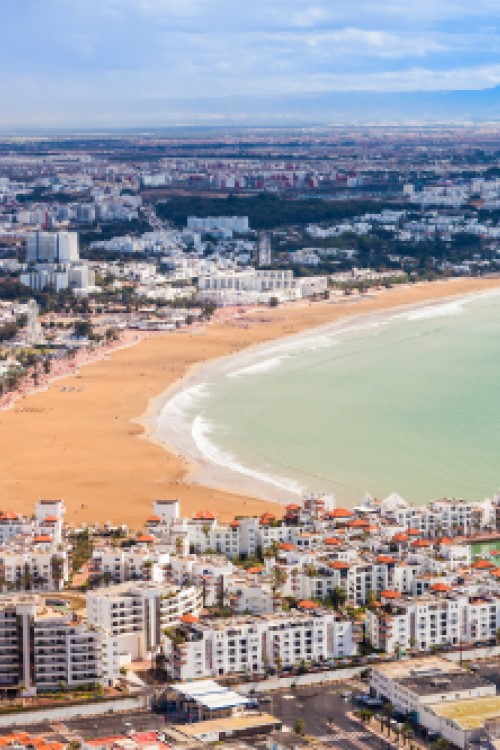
385, 559
340, 513
358, 523
440, 587
483, 565
204, 515
287, 547
390, 594
189, 619
9, 516
307, 604
400, 538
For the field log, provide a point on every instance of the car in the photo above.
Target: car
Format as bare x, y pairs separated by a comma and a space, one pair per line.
474, 667
346, 694
264, 699
370, 702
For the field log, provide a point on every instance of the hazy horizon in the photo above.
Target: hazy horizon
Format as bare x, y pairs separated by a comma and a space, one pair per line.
148, 63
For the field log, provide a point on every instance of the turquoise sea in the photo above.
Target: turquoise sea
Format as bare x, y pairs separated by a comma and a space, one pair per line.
407, 401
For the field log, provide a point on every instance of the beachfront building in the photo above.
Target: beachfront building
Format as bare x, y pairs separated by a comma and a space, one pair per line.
441, 517
248, 286
47, 521
139, 563
36, 566
135, 614
215, 647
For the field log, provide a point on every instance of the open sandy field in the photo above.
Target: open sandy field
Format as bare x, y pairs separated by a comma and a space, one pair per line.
80, 440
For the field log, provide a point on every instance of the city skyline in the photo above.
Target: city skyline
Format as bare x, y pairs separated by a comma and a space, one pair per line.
173, 62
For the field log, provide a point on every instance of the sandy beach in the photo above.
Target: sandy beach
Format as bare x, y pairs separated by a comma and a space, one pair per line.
82, 438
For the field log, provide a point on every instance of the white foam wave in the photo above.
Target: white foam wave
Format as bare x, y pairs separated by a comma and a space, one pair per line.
437, 311
259, 367
201, 431
177, 409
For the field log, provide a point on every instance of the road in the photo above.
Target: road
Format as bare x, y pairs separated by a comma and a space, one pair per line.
324, 713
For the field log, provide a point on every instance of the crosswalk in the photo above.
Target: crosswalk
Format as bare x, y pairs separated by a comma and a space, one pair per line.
362, 740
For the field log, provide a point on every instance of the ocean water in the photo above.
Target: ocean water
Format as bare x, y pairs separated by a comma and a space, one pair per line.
406, 402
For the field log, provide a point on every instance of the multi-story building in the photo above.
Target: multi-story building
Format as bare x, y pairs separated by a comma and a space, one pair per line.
139, 563
424, 622
52, 247
40, 649
38, 566
53, 259
250, 644
137, 613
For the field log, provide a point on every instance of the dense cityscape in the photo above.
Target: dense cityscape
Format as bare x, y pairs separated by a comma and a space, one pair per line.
193, 629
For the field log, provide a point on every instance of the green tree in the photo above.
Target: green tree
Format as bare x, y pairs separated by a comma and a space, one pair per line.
299, 727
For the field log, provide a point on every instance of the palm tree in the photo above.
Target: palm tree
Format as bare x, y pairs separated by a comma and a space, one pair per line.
299, 727
407, 732
387, 712
56, 565
179, 544
339, 596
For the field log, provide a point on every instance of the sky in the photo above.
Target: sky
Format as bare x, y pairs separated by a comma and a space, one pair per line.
91, 63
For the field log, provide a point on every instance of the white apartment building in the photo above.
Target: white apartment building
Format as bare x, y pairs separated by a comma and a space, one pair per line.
52, 247
48, 521
117, 565
76, 276
250, 644
137, 613
209, 574
237, 224
443, 517
229, 287
38, 566
41, 648
54, 263
435, 620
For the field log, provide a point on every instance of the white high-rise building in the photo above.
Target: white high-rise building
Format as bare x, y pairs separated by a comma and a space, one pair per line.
54, 262
52, 247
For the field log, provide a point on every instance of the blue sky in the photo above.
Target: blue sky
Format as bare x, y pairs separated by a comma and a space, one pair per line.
134, 62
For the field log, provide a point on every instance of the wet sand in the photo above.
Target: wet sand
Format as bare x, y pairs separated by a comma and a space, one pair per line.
81, 439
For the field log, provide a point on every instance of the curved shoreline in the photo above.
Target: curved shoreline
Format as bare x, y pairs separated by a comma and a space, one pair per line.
81, 444
224, 477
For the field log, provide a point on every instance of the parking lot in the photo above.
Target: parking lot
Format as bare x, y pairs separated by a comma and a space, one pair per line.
324, 713
490, 670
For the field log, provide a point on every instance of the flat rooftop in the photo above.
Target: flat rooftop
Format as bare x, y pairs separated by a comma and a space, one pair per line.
246, 722
469, 714
427, 666
446, 682
210, 695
